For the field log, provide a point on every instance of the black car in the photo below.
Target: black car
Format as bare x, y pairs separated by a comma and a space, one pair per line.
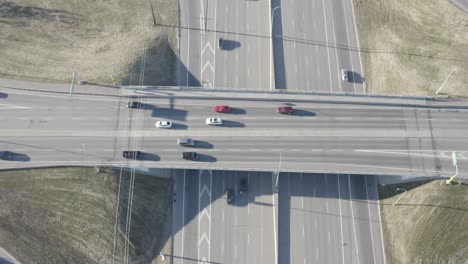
190, 155
243, 186
220, 43
134, 104
230, 196
131, 154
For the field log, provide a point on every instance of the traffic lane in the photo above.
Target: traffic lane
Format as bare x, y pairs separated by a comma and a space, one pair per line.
91, 106
385, 146
335, 228
287, 123
291, 148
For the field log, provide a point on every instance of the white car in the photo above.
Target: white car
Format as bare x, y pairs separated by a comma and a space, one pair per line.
344, 74
214, 121
164, 124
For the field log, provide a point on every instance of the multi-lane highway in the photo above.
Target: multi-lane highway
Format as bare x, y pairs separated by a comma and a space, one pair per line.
322, 137
327, 218
319, 40
208, 230
318, 218
241, 61
305, 48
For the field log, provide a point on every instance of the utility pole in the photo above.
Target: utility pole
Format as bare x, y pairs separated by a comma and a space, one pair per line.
72, 83
454, 161
442, 86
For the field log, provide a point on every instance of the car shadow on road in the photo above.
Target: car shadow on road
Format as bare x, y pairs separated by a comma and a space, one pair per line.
238, 111
230, 124
228, 44
169, 113
355, 77
14, 156
179, 126
203, 144
206, 158
150, 157
3, 95
300, 112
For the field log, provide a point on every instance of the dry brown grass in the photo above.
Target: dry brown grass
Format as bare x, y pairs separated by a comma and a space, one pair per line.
104, 41
429, 224
409, 47
67, 215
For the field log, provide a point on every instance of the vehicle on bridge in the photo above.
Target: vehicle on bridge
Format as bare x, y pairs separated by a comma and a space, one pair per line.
285, 110
222, 109
132, 154
186, 142
164, 124
214, 121
134, 104
190, 155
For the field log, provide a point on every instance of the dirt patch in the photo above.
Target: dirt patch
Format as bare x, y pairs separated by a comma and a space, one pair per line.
101, 40
429, 224
409, 47
61, 215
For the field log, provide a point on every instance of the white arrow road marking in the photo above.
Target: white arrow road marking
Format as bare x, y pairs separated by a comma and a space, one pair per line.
205, 189
208, 63
204, 213
208, 45
205, 238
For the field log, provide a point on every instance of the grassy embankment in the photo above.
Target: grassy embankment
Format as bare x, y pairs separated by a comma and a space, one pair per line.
68, 215
428, 225
409, 47
104, 41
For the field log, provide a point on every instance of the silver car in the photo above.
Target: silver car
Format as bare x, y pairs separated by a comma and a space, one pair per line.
164, 124
344, 75
186, 142
214, 121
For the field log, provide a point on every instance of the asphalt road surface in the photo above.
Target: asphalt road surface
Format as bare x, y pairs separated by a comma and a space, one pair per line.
319, 40
208, 230
329, 218
241, 61
321, 137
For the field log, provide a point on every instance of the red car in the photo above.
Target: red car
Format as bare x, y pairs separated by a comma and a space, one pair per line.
284, 110
222, 109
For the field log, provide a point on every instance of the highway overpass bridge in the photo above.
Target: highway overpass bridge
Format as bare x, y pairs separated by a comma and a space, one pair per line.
43, 125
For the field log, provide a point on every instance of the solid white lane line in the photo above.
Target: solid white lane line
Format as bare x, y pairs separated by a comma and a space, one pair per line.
274, 227
347, 38
370, 218
328, 51
381, 233
183, 216
358, 47
352, 217
341, 218
336, 50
